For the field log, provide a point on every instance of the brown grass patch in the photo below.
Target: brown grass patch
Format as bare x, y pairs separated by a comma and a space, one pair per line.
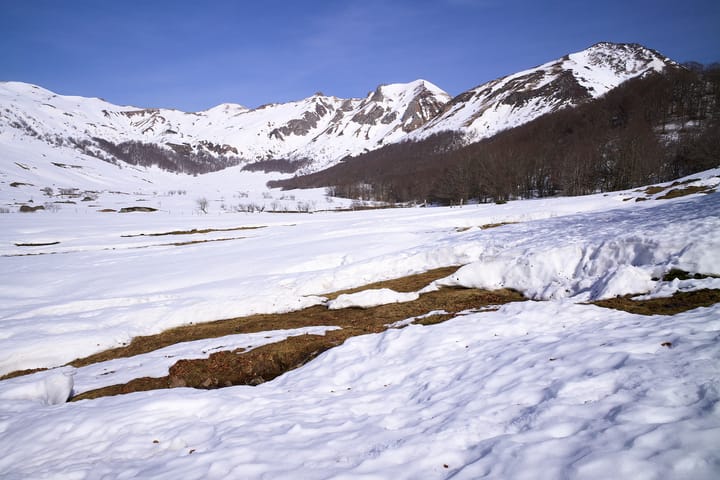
193, 242
410, 283
191, 232
681, 192
678, 303
137, 209
495, 225
46, 244
683, 275
485, 227
30, 208
654, 190
267, 362
20, 373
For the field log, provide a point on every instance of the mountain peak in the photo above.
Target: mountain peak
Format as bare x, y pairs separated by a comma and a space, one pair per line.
394, 91
570, 80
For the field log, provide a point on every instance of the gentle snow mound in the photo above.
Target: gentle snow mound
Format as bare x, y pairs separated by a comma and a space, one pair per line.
371, 298
50, 390
608, 257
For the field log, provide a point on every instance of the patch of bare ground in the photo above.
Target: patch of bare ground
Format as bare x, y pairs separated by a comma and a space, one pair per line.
678, 303
654, 190
410, 283
46, 244
191, 232
137, 209
20, 373
485, 226
269, 361
193, 242
681, 192
675, 192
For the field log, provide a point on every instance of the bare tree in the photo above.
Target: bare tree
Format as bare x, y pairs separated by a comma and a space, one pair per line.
202, 204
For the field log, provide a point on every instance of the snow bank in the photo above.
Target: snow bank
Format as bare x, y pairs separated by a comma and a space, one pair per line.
601, 256
50, 389
371, 298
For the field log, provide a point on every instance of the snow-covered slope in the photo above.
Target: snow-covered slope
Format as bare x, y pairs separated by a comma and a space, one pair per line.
519, 98
320, 127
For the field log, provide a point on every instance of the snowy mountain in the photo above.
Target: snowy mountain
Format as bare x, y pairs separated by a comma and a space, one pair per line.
320, 127
60, 138
519, 98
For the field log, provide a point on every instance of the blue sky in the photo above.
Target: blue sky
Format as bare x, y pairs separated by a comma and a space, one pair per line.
192, 55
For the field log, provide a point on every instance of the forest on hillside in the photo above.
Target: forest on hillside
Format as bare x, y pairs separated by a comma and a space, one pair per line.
648, 130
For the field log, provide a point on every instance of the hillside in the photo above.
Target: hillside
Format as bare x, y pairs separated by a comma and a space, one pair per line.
648, 129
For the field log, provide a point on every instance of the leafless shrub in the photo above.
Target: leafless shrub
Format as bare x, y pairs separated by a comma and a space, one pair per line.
202, 204
52, 207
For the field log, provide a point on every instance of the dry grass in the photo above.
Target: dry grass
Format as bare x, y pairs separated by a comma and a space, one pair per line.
681, 192
683, 275
191, 232
137, 209
495, 225
654, 190
678, 303
266, 362
410, 283
46, 244
193, 242
20, 373
485, 227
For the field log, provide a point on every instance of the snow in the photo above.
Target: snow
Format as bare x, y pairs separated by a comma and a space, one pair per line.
254, 133
555, 385
49, 387
371, 298
599, 69
571, 390
614, 254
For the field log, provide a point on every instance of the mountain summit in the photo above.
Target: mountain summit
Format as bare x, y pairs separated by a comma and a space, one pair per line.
521, 97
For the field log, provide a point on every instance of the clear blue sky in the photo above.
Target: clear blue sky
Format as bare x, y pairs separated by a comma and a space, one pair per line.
192, 55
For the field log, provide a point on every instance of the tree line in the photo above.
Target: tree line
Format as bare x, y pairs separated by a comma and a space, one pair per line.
178, 158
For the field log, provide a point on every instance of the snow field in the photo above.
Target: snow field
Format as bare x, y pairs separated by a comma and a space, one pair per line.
559, 387
97, 288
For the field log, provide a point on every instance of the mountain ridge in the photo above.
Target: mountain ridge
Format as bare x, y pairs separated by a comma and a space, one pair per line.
303, 137
319, 131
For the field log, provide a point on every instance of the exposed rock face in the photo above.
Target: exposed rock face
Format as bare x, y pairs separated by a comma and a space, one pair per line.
421, 110
370, 116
